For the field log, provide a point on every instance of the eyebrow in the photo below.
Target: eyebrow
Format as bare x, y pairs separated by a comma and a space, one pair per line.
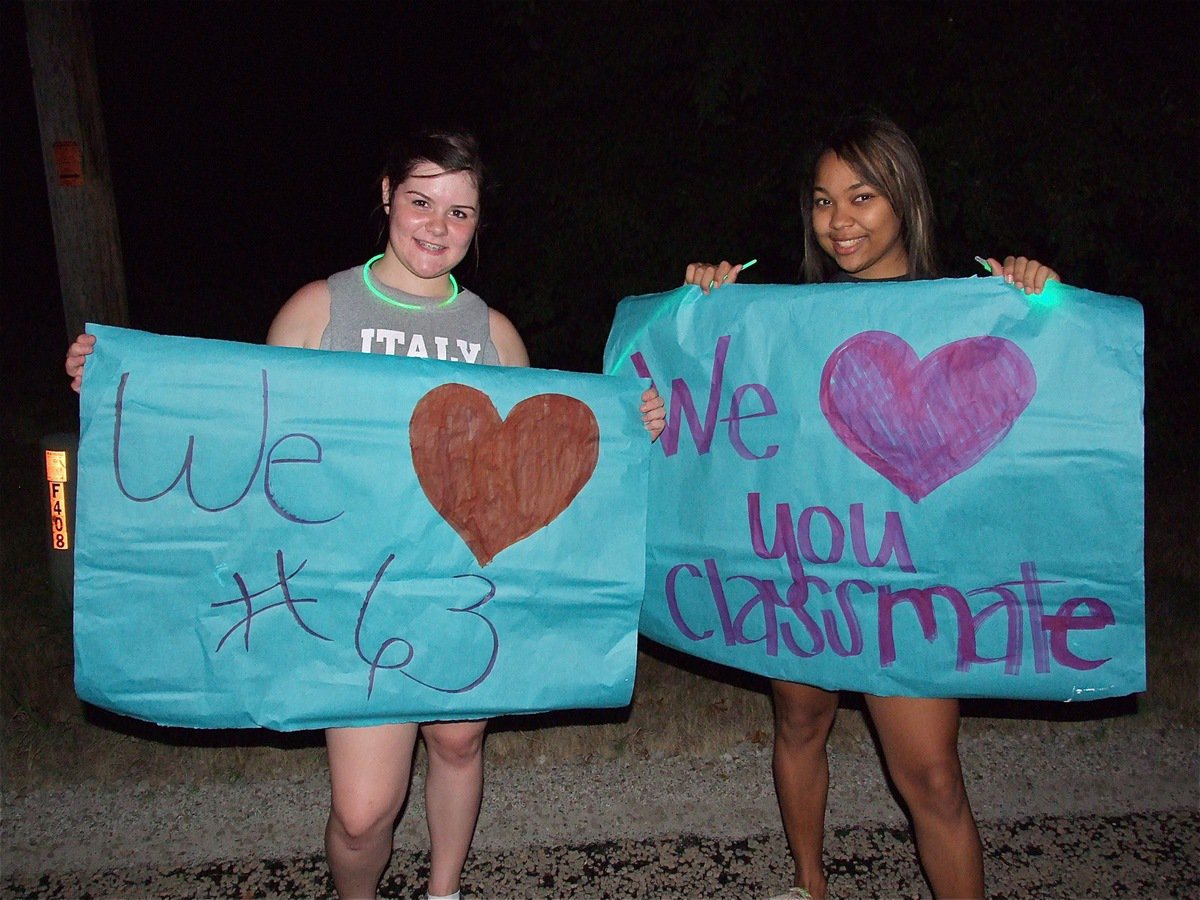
415, 193
854, 187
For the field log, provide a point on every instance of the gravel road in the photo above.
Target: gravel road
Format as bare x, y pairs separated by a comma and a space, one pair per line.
1091, 769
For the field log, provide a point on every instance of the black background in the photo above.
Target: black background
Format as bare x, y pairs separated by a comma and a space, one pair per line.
623, 141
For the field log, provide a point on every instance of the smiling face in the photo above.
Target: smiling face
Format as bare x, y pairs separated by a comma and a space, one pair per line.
432, 216
854, 222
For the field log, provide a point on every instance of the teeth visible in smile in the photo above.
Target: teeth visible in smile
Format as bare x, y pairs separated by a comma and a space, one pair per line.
429, 246
850, 242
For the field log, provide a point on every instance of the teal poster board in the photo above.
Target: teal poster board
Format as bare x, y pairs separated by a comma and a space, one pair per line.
300, 539
918, 488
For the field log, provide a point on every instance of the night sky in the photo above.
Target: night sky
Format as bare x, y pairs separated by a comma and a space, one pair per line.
623, 139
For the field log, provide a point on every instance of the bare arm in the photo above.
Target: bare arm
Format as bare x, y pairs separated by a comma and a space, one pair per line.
508, 343
301, 321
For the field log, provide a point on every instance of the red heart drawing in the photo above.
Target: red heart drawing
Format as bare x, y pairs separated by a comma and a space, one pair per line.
918, 422
498, 481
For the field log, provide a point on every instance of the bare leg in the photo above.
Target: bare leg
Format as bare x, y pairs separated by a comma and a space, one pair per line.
369, 770
803, 717
920, 744
453, 790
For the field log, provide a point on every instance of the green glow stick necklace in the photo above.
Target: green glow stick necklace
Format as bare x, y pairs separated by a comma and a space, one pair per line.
386, 299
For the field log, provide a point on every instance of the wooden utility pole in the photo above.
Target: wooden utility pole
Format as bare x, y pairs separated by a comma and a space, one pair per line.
91, 269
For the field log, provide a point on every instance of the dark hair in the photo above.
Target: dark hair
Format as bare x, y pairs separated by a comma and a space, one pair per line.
451, 149
882, 155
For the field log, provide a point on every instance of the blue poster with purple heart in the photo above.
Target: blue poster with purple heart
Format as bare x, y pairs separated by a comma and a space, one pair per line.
928, 488
301, 539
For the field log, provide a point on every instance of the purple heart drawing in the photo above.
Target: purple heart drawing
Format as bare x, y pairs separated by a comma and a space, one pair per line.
918, 423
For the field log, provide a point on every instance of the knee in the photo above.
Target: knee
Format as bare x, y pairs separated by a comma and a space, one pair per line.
803, 716
800, 725
457, 749
798, 731
933, 786
360, 824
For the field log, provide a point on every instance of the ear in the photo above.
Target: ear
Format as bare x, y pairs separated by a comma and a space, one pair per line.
386, 193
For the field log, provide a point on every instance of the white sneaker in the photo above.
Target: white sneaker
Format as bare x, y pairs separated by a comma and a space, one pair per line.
793, 893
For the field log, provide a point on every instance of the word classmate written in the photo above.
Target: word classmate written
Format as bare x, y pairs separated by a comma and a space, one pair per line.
806, 615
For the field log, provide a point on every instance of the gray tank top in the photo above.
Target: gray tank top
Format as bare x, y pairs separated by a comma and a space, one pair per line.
358, 320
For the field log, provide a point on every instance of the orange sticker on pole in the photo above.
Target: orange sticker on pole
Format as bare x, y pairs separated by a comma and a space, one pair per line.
68, 161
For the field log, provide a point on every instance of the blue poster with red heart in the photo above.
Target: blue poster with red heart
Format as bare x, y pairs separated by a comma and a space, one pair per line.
301, 539
929, 488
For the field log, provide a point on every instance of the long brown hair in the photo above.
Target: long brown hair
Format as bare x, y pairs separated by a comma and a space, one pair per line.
883, 156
